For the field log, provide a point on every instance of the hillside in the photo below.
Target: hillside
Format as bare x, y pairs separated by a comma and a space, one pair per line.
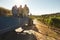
5, 12
49, 19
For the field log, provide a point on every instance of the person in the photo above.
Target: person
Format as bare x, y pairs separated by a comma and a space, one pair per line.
25, 10
14, 10
20, 11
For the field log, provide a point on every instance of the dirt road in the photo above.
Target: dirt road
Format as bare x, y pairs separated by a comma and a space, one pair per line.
44, 32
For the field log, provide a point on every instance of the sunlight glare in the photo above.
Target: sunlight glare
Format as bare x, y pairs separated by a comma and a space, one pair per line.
21, 2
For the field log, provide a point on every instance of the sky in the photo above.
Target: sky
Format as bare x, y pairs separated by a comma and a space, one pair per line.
37, 7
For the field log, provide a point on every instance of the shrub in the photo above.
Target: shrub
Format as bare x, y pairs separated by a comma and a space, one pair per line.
55, 22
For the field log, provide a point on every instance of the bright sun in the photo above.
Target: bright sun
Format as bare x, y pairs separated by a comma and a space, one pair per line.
21, 2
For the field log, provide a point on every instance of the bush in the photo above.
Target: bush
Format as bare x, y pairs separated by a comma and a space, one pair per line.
55, 22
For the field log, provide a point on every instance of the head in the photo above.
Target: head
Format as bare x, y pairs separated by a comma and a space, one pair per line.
21, 6
15, 6
25, 5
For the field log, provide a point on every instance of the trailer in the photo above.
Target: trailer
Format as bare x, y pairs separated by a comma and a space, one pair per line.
11, 23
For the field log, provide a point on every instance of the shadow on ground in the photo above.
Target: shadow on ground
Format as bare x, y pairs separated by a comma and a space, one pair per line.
17, 36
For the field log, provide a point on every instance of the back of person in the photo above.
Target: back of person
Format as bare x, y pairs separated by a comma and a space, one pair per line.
25, 10
14, 10
20, 11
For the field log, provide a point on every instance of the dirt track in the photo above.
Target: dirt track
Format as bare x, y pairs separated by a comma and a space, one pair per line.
44, 32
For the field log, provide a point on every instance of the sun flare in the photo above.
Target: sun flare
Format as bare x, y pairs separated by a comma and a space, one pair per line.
21, 2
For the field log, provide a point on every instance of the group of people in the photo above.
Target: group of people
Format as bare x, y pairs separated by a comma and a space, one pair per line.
20, 11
